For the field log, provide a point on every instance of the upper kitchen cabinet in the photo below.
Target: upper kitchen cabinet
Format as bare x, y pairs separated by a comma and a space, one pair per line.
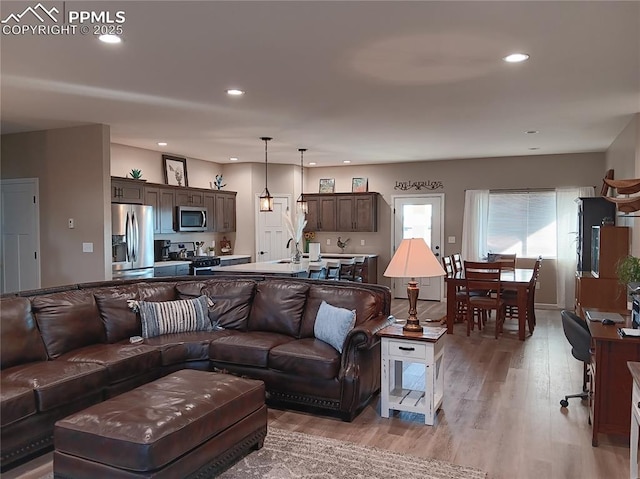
225, 212
321, 214
162, 198
125, 190
342, 212
189, 197
221, 206
357, 212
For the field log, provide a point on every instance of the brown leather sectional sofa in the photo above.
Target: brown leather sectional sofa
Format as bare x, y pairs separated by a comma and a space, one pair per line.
66, 348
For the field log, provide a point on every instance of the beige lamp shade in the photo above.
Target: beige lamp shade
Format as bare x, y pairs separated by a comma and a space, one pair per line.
414, 259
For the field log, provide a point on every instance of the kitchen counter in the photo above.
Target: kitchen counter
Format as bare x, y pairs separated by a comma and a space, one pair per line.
160, 264
343, 255
234, 257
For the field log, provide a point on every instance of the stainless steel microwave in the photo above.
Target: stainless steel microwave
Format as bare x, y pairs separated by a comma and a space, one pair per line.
191, 218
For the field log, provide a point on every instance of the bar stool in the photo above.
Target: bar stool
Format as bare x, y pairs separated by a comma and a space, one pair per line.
333, 270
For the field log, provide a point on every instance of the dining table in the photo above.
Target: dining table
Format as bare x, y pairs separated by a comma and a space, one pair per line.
511, 280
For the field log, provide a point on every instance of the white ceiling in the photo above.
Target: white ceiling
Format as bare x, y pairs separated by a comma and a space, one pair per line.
370, 82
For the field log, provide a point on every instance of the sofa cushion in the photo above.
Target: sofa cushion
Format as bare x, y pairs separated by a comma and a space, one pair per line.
160, 291
20, 341
183, 347
365, 302
120, 322
122, 361
333, 324
57, 383
307, 357
246, 349
278, 307
16, 402
232, 300
68, 321
179, 316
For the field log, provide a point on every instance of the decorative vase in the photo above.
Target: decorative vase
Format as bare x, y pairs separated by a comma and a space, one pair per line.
297, 254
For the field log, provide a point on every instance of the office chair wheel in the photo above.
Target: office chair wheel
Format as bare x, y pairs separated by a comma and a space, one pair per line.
564, 403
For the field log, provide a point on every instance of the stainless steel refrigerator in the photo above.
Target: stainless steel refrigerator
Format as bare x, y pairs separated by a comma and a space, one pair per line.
132, 241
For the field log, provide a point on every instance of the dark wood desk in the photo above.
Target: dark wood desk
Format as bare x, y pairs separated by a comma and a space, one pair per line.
611, 382
517, 280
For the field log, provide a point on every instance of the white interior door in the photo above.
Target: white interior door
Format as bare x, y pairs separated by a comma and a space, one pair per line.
272, 236
419, 216
20, 220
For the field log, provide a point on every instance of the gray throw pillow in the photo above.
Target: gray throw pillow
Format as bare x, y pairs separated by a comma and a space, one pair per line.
181, 316
333, 324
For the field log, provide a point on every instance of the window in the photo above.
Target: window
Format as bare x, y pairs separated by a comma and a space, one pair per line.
523, 223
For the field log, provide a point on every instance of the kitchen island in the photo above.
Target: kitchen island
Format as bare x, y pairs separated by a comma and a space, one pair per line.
276, 268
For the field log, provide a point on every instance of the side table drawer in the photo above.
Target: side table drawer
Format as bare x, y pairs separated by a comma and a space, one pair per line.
406, 349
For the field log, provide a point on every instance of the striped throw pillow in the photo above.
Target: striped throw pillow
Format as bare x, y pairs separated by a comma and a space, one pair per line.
180, 316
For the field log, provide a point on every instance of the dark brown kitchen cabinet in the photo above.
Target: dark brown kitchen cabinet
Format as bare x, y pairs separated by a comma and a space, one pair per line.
342, 212
189, 197
125, 190
357, 212
321, 214
163, 201
225, 212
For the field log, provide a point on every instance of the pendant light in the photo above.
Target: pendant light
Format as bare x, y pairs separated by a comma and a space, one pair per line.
301, 204
266, 200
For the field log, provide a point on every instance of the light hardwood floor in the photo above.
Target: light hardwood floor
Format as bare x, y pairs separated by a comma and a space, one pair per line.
500, 413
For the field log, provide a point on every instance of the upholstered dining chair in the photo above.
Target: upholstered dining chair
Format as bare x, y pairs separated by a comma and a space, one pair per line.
483, 276
358, 273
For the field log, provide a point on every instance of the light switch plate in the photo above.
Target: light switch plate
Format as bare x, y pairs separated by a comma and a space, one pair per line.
451, 239
328, 241
361, 242
87, 247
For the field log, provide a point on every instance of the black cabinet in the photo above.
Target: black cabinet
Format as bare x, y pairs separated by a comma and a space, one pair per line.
591, 212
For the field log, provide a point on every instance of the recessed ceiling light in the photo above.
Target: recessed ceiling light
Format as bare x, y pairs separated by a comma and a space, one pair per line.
109, 38
347, 161
516, 58
534, 148
312, 163
532, 132
162, 143
233, 158
234, 92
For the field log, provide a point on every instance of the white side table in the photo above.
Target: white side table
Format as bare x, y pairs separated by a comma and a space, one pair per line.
634, 368
425, 348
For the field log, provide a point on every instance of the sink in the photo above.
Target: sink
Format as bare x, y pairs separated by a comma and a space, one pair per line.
284, 261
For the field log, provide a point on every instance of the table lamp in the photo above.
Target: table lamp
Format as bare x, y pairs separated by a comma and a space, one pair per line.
413, 259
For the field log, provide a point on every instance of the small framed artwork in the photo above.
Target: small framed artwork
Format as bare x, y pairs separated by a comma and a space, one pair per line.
359, 185
175, 170
327, 185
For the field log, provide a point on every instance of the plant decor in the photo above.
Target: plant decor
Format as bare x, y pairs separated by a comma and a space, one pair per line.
628, 270
136, 174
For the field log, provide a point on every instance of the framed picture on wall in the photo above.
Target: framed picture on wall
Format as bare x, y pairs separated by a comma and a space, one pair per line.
175, 170
327, 185
359, 185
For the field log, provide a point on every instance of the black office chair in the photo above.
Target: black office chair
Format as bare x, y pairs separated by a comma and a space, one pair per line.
578, 335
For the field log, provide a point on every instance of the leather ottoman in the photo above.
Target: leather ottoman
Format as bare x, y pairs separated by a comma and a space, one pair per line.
190, 424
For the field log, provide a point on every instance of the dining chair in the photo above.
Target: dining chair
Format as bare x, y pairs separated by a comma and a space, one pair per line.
447, 264
508, 260
511, 298
316, 271
456, 259
347, 269
333, 270
483, 276
358, 273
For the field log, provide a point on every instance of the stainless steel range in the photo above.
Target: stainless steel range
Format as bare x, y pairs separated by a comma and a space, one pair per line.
203, 265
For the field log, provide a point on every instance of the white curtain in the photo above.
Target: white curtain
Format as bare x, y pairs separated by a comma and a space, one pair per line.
566, 238
474, 225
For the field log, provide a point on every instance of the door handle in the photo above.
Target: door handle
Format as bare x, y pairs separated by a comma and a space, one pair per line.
263, 252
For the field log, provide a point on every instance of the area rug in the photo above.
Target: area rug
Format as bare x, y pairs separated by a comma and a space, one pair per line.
294, 455
289, 455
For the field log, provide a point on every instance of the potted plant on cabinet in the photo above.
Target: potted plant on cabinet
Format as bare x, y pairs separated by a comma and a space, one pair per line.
628, 272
